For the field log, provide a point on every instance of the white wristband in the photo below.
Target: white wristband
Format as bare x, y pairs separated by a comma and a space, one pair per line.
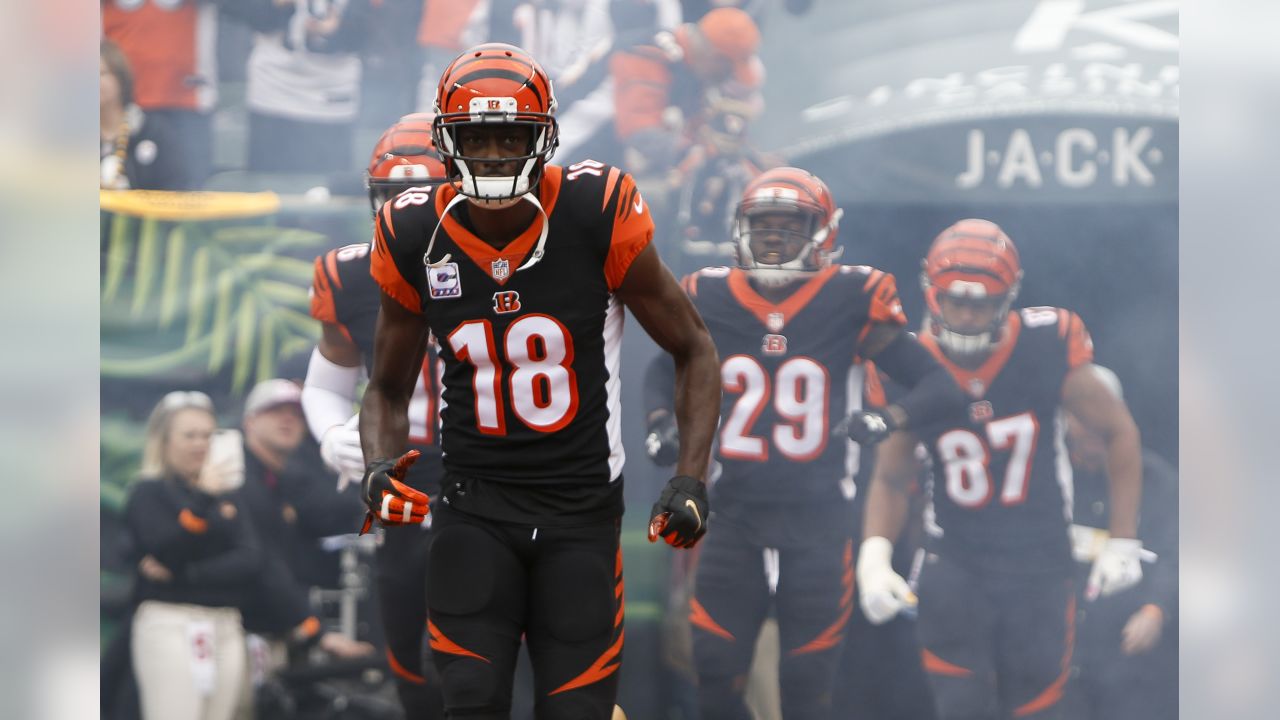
876, 550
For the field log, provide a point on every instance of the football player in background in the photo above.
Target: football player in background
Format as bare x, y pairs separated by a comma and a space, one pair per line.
996, 605
792, 329
345, 299
522, 269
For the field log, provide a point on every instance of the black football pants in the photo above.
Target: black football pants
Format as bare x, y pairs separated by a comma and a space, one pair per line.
995, 646
490, 584
402, 600
736, 581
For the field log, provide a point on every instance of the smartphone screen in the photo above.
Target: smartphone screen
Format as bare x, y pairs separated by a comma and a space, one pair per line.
225, 461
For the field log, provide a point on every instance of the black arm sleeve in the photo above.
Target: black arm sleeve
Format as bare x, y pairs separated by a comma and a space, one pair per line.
1158, 529
151, 516
931, 391
239, 563
659, 385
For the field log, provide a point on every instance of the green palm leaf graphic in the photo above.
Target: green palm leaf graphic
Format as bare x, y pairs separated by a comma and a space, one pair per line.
119, 247
145, 271
175, 254
205, 297
198, 302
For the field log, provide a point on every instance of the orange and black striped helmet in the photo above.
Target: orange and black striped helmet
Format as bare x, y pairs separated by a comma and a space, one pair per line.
796, 191
404, 157
495, 84
975, 260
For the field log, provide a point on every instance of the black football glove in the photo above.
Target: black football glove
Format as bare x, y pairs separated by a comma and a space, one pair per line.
662, 444
868, 428
680, 515
388, 499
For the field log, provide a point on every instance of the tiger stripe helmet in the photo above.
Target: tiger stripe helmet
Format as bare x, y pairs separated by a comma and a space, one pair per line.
487, 84
971, 259
404, 157
788, 190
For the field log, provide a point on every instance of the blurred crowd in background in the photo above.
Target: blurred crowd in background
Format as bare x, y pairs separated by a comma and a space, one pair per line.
289, 96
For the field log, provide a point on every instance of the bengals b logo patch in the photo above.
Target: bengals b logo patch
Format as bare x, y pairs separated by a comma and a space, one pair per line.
506, 301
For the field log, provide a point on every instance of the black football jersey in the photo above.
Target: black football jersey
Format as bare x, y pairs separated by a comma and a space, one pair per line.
531, 347
1000, 495
790, 374
343, 292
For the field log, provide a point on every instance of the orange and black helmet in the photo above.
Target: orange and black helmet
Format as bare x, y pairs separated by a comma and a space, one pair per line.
495, 84
404, 157
789, 190
974, 260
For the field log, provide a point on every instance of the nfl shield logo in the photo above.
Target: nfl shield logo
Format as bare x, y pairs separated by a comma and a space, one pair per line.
775, 322
500, 269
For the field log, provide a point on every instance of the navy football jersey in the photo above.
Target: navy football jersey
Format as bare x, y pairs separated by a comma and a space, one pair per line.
344, 293
531, 347
790, 373
1000, 494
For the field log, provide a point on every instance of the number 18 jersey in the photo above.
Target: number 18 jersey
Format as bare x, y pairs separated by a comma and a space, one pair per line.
531, 347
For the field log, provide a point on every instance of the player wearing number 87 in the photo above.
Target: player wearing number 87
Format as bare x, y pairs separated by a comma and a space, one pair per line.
521, 269
996, 609
792, 328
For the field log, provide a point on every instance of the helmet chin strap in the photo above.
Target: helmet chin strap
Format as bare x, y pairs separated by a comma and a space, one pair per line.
777, 277
538, 251
965, 345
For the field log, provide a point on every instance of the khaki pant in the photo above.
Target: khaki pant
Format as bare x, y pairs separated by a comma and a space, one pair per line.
189, 661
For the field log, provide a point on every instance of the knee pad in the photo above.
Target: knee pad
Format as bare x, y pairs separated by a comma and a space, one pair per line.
576, 705
806, 683
720, 697
968, 698
472, 687
461, 576
580, 590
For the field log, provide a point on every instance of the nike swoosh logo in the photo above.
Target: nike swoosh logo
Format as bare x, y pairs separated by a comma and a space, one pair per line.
639, 206
694, 507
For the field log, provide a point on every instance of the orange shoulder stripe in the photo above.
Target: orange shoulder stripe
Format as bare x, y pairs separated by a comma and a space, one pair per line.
1079, 344
632, 233
322, 303
608, 187
382, 266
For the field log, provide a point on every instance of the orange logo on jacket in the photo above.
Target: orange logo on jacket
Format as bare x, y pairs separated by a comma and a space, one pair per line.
506, 301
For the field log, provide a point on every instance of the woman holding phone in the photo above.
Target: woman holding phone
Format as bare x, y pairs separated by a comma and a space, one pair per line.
197, 559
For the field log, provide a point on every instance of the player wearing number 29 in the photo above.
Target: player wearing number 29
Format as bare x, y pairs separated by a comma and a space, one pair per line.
996, 607
791, 328
521, 270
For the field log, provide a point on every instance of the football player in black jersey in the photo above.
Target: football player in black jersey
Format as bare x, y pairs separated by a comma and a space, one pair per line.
996, 610
792, 329
345, 299
521, 269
